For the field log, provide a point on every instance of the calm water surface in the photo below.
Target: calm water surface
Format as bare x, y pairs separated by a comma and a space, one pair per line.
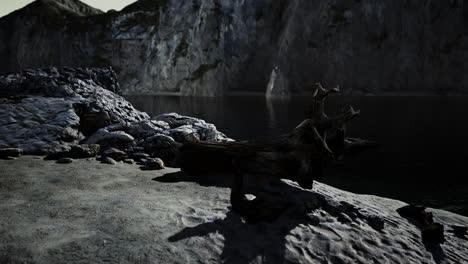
423, 148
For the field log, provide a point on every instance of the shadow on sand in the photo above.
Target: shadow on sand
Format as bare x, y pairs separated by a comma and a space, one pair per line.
244, 242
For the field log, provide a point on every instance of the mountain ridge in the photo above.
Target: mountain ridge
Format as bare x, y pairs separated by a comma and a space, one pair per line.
211, 47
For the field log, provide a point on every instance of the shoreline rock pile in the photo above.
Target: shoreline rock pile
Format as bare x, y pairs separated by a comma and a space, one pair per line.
79, 113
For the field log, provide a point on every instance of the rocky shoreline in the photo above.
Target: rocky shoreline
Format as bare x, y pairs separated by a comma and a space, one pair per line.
79, 113
112, 213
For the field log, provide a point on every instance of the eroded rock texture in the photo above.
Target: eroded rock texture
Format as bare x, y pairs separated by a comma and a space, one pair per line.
51, 110
211, 47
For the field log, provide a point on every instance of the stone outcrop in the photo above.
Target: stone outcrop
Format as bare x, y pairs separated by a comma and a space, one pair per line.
209, 47
42, 112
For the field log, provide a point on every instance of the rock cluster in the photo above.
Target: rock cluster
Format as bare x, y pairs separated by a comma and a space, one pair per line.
78, 113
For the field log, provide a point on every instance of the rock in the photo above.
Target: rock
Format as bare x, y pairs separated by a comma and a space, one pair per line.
416, 213
313, 219
143, 129
115, 154
64, 160
153, 164
108, 160
138, 156
40, 120
376, 222
459, 231
433, 233
84, 151
10, 152
93, 121
184, 133
343, 218
128, 161
162, 146
49, 111
174, 120
106, 138
57, 155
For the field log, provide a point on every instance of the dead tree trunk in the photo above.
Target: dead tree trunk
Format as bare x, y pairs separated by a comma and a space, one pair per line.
299, 155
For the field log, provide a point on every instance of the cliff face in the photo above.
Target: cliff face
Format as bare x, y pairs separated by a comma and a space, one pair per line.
210, 47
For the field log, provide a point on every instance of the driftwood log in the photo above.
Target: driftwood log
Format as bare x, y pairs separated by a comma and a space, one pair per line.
298, 156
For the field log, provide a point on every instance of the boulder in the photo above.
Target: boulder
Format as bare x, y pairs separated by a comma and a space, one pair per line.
93, 121
138, 156
153, 164
46, 111
162, 146
107, 138
108, 160
84, 151
184, 133
10, 152
113, 153
143, 129
175, 120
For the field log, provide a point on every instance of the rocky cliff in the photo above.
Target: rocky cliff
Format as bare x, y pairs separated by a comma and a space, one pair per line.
212, 47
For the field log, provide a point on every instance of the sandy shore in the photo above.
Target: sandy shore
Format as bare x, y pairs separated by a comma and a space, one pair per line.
87, 212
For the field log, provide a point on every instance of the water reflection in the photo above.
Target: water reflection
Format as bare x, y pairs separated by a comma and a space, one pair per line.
423, 148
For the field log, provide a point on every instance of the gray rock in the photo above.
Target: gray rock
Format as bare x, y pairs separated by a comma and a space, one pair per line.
175, 120
113, 153
140, 129
313, 219
84, 151
138, 156
184, 133
376, 222
39, 125
64, 160
41, 120
162, 146
128, 161
106, 138
108, 160
153, 164
343, 218
190, 128
10, 152
92, 120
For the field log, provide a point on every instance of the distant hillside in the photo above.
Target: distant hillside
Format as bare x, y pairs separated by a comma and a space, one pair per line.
57, 9
210, 47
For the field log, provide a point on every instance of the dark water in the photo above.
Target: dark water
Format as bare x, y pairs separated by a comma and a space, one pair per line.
423, 148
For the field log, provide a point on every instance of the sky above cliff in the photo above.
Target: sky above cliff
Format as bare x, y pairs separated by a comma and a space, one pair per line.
8, 6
